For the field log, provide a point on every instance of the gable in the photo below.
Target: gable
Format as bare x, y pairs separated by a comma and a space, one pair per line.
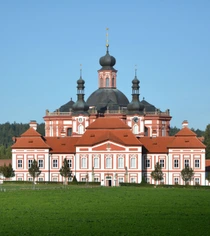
108, 146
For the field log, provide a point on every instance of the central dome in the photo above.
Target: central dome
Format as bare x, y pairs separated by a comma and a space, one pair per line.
107, 98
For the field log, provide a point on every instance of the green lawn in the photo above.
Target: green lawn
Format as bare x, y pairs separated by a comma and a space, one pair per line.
104, 211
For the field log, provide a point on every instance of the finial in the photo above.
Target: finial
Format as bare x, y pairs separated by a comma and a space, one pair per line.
80, 70
107, 38
143, 98
135, 70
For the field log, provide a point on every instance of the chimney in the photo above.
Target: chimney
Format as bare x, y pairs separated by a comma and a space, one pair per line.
33, 124
184, 124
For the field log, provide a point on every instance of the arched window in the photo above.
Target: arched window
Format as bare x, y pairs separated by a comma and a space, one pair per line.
107, 82
81, 129
112, 82
101, 82
108, 162
135, 129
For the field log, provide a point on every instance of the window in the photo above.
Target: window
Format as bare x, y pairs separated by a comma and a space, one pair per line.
147, 180
41, 163
176, 180
133, 180
112, 82
197, 181
30, 179
69, 131
96, 179
101, 82
83, 179
41, 179
29, 163
147, 163
133, 162
80, 129
186, 163
84, 162
197, 163
69, 163
108, 162
135, 129
120, 162
96, 162
55, 163
70, 179
162, 163
176, 163
120, 180
107, 82
20, 179
20, 163
55, 179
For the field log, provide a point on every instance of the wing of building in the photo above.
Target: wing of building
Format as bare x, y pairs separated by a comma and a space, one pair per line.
109, 139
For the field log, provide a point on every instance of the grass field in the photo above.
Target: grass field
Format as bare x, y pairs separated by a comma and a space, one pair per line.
104, 211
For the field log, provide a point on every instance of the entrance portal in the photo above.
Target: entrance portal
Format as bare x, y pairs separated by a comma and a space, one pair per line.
109, 181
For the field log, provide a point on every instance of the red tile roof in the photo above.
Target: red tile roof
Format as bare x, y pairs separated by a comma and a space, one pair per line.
62, 144
185, 132
208, 165
31, 132
108, 123
5, 161
93, 137
156, 144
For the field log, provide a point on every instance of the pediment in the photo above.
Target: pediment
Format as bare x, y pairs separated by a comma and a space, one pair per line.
108, 147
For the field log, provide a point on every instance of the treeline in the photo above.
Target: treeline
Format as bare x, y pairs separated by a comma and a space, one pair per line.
8, 131
174, 130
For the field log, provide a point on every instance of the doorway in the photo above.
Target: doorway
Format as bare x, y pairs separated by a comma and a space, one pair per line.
109, 181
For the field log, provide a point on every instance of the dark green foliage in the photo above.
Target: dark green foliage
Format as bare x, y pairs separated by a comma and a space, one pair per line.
8, 131
74, 179
65, 171
157, 173
34, 170
173, 131
208, 176
187, 174
7, 171
207, 141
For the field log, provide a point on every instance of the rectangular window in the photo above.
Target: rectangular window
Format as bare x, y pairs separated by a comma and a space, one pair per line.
69, 163
162, 164
120, 162
96, 179
41, 163
83, 179
176, 180
20, 179
186, 163
147, 180
176, 163
41, 179
133, 162
197, 163
55, 163
108, 162
197, 181
54, 179
120, 180
30, 179
29, 163
84, 163
147, 163
133, 180
96, 162
20, 163
70, 179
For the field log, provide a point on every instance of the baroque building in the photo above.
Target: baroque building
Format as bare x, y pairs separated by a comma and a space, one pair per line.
109, 139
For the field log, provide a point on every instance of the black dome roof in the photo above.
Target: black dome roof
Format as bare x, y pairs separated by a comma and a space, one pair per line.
66, 107
107, 62
107, 97
148, 107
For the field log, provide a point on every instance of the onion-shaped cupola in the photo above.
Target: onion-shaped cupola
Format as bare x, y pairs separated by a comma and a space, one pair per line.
107, 62
80, 106
135, 106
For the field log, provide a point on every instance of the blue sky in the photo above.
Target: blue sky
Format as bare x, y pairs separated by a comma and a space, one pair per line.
43, 43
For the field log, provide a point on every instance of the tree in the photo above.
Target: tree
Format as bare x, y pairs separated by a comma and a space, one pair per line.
7, 171
65, 171
207, 141
34, 170
157, 173
187, 174
208, 177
